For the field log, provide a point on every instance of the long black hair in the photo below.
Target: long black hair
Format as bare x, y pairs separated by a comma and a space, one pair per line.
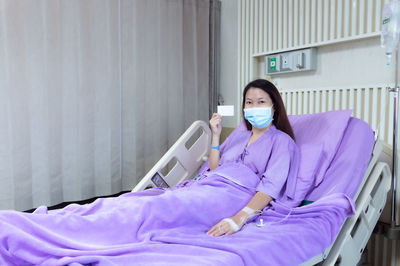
281, 120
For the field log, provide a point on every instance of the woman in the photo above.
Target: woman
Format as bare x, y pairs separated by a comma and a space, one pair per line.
252, 167
267, 148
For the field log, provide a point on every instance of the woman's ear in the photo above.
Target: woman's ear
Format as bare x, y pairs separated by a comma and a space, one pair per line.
273, 112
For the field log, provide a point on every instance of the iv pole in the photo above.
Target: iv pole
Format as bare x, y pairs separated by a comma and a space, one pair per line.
395, 91
390, 30
392, 231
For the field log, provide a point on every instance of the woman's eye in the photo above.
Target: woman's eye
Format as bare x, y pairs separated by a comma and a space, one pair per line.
248, 102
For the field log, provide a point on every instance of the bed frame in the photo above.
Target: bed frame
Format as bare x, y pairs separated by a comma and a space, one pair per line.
183, 160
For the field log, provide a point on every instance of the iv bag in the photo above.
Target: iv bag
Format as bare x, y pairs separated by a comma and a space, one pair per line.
390, 28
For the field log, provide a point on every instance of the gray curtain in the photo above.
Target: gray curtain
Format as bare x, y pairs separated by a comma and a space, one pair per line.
93, 92
215, 28
165, 57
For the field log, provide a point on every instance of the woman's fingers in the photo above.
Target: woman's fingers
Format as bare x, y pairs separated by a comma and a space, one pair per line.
213, 230
209, 232
221, 228
216, 117
215, 123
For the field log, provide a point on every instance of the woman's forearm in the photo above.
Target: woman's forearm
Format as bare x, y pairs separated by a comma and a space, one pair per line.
214, 154
257, 203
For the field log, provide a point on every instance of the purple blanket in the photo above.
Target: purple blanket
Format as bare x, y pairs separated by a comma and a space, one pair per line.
168, 227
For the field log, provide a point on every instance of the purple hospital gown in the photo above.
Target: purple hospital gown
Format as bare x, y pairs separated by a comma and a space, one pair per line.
268, 165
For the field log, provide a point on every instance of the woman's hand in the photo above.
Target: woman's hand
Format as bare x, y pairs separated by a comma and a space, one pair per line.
215, 124
216, 128
221, 228
226, 227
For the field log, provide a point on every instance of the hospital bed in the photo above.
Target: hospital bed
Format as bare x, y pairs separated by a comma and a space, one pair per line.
183, 160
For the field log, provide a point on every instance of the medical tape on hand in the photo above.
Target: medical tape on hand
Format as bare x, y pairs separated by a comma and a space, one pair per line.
250, 214
234, 226
248, 210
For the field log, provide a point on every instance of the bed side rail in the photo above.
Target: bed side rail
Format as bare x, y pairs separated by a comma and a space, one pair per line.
357, 229
376, 152
182, 160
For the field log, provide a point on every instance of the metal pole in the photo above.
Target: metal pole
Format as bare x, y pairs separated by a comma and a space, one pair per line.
395, 90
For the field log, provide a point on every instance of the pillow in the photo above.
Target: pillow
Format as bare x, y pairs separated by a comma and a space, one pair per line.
310, 158
324, 128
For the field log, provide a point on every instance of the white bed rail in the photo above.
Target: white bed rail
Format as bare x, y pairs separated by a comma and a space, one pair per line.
186, 160
357, 229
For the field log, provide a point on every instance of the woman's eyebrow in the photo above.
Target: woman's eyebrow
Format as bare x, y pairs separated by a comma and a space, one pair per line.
262, 98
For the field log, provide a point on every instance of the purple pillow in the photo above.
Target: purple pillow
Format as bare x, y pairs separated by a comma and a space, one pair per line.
326, 129
310, 158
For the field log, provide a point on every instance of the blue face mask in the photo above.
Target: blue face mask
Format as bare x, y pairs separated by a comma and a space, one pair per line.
259, 117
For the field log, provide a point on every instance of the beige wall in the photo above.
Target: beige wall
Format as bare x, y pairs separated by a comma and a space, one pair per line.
354, 63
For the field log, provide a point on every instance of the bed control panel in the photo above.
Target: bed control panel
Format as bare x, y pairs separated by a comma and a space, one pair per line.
159, 181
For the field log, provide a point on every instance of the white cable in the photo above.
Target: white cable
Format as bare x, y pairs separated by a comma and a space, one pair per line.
261, 222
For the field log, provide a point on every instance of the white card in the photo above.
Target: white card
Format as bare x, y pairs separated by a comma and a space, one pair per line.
225, 110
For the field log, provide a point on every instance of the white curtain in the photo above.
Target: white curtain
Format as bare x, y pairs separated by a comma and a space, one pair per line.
93, 92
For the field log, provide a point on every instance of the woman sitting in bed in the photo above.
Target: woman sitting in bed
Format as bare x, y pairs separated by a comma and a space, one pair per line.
266, 148
251, 168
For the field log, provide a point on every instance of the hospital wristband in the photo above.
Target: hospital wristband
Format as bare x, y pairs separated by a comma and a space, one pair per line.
214, 147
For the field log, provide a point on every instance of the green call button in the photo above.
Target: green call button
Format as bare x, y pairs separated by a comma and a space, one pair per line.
272, 63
